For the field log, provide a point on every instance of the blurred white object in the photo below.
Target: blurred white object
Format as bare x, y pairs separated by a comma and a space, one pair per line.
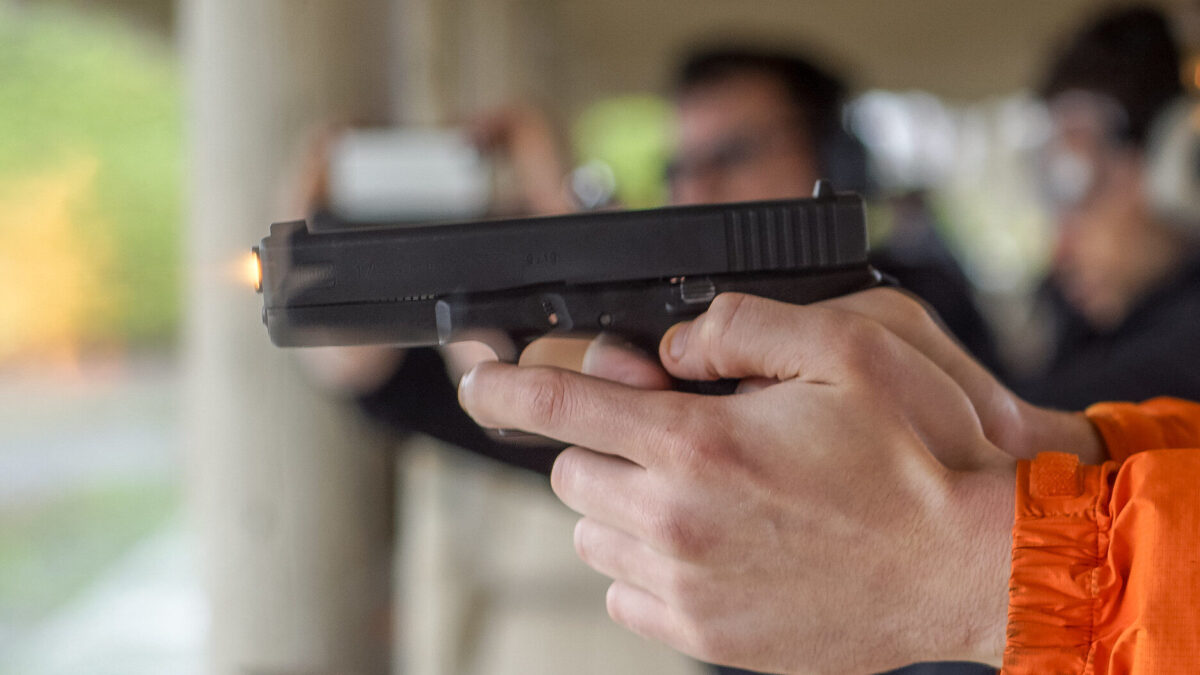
146, 615
1173, 164
408, 175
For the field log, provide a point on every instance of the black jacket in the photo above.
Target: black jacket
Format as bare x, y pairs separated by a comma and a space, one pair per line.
420, 397
1154, 352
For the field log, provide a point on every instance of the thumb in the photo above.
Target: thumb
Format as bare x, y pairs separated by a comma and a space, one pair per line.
743, 336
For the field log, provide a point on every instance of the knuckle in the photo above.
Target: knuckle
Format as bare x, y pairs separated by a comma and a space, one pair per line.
912, 312
726, 306
612, 603
670, 529
614, 606
545, 398
898, 310
678, 443
683, 586
565, 471
678, 533
910, 308
709, 642
584, 541
861, 342
698, 440
862, 333
725, 314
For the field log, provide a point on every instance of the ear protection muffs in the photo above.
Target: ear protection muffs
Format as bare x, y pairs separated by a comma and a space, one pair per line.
1173, 165
844, 161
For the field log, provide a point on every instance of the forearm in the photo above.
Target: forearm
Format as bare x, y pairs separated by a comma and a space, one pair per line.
1108, 431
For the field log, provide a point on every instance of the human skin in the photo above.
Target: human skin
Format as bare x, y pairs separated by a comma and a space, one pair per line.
846, 513
1013, 425
812, 525
1018, 428
753, 108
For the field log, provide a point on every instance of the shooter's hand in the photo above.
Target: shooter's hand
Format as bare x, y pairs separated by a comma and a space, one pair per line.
807, 526
1015, 426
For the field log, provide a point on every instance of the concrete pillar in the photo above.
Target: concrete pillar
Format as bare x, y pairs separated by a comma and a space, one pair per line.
293, 495
458, 57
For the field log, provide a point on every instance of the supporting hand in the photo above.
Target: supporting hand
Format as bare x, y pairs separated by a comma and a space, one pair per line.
852, 517
1020, 429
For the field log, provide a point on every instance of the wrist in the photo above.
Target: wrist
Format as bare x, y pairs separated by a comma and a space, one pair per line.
985, 500
1045, 430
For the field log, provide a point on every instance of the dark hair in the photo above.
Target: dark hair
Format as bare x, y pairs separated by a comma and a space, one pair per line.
815, 92
1128, 55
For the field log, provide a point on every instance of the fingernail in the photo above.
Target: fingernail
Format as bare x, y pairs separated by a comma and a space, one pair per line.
588, 367
678, 337
465, 382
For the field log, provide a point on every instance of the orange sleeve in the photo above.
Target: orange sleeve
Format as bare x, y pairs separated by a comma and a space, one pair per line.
1106, 564
1157, 424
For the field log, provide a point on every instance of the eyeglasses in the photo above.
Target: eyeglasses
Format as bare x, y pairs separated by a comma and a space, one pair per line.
1074, 164
728, 154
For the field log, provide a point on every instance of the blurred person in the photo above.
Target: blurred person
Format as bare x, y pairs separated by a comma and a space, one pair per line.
412, 390
761, 124
1125, 278
757, 124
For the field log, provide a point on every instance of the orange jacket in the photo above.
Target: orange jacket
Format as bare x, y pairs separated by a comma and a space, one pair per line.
1106, 559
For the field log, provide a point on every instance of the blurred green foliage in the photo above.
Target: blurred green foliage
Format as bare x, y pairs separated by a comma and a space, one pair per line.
632, 135
87, 87
51, 549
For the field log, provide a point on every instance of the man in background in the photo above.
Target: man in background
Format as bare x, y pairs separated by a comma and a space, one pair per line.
1125, 277
760, 124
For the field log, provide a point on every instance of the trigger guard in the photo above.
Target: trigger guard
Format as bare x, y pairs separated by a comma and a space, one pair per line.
507, 349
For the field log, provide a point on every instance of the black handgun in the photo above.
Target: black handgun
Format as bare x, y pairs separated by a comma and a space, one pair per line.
509, 282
